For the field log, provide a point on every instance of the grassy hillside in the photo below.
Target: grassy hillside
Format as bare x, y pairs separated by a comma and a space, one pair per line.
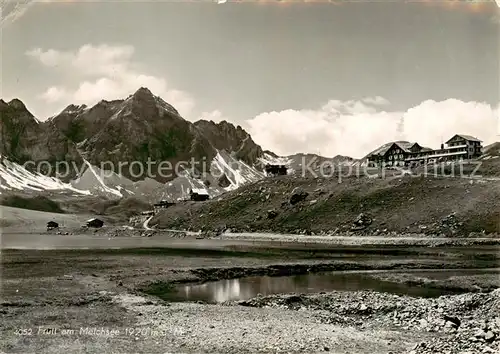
40, 203
449, 206
16, 220
116, 210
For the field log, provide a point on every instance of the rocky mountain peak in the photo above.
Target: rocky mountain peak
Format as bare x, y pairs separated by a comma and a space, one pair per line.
144, 96
140, 128
144, 103
224, 124
15, 113
144, 93
226, 136
23, 138
72, 108
17, 104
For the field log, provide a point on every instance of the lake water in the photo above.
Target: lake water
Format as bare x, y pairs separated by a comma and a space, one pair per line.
250, 287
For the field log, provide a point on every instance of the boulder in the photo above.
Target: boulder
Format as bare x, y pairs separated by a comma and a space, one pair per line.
271, 214
454, 320
362, 221
223, 181
298, 195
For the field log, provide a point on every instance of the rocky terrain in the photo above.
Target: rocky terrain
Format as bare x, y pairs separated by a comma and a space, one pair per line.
458, 323
24, 138
159, 133
374, 206
139, 127
121, 148
124, 147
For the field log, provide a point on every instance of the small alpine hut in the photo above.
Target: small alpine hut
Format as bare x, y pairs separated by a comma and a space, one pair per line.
276, 169
198, 195
51, 225
163, 204
96, 223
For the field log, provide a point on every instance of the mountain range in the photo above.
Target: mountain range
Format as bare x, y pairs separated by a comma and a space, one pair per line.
106, 148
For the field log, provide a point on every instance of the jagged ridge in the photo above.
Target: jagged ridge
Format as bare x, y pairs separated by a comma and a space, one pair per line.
140, 128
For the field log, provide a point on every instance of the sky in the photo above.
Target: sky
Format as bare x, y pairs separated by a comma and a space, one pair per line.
300, 76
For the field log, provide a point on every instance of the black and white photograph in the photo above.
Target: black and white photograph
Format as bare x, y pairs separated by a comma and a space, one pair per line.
250, 176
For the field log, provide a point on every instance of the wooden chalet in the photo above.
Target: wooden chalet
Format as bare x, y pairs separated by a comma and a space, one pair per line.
198, 195
94, 222
401, 154
52, 225
275, 169
163, 204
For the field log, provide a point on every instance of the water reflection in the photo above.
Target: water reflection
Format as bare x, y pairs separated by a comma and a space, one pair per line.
247, 288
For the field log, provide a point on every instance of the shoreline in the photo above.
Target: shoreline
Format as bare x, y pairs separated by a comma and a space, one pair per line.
126, 238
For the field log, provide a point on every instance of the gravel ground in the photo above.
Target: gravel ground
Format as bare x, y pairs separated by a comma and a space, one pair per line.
466, 323
343, 322
193, 327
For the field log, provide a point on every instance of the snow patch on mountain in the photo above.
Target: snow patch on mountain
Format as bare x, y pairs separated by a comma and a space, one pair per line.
268, 159
15, 177
111, 184
95, 181
237, 172
97, 173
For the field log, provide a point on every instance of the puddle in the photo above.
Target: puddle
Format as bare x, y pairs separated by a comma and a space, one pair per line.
250, 287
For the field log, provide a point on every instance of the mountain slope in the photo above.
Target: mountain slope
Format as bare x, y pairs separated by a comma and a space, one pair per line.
225, 136
137, 146
491, 151
134, 146
27, 141
227, 173
14, 177
400, 205
143, 131
133, 134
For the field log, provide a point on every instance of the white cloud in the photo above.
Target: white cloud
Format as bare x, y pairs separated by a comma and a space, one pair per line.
51, 57
215, 116
53, 94
431, 122
377, 100
104, 72
354, 128
103, 59
100, 89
